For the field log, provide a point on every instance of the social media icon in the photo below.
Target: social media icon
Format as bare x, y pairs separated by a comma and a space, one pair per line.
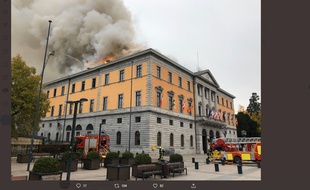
193, 186
155, 185
116, 185
78, 185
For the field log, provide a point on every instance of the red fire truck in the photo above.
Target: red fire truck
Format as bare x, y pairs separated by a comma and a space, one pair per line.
237, 149
90, 142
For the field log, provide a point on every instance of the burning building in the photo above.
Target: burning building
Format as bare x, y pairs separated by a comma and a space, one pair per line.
141, 100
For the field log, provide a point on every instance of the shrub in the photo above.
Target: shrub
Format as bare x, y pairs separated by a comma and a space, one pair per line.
46, 165
112, 155
66, 156
127, 154
175, 158
93, 155
143, 159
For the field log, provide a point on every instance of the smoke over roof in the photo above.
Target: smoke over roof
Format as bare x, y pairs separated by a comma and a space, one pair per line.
88, 30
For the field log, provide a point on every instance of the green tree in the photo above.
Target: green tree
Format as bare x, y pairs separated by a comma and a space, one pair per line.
254, 105
25, 88
246, 123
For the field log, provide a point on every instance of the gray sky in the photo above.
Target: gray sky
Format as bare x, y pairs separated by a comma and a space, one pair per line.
223, 36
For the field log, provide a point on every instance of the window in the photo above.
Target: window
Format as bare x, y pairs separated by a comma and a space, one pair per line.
188, 86
138, 98
159, 139
60, 110
218, 99
42, 125
171, 139
139, 71
106, 79
105, 103
181, 124
62, 90
52, 111
158, 99
191, 141
118, 137
121, 75
170, 103
70, 109
170, 77
93, 84
83, 86
138, 119
182, 140
158, 120
231, 105
50, 124
181, 105
119, 120
199, 87
189, 110
81, 107
158, 72
190, 125
223, 101
120, 100
207, 93
212, 96
137, 138
55, 92
170, 122
180, 82
47, 93
103, 121
73, 88
199, 110
91, 105
226, 103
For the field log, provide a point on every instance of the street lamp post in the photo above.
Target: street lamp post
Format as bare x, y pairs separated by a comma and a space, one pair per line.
76, 103
39, 95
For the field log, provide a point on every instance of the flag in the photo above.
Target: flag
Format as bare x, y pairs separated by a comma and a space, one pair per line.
183, 106
190, 108
173, 104
224, 119
161, 99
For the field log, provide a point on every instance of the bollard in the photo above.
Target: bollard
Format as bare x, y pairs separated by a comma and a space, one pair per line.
216, 167
207, 161
196, 165
223, 161
239, 167
258, 165
193, 160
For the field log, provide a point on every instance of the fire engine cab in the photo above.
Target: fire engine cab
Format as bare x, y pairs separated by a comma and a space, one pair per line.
237, 149
90, 142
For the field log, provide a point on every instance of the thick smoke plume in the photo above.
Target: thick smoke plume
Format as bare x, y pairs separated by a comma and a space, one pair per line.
92, 31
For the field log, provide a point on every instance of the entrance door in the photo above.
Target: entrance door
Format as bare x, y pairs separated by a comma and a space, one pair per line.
204, 141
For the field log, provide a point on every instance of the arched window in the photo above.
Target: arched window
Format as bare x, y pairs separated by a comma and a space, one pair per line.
118, 137
211, 135
191, 140
89, 127
159, 139
49, 137
78, 128
217, 134
171, 139
137, 138
182, 140
68, 128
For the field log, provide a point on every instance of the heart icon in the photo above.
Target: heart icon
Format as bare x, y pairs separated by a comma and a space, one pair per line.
155, 185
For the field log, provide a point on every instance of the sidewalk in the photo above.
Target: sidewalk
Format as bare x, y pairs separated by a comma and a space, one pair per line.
204, 172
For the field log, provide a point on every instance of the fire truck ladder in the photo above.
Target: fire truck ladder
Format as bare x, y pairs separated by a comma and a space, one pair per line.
243, 140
